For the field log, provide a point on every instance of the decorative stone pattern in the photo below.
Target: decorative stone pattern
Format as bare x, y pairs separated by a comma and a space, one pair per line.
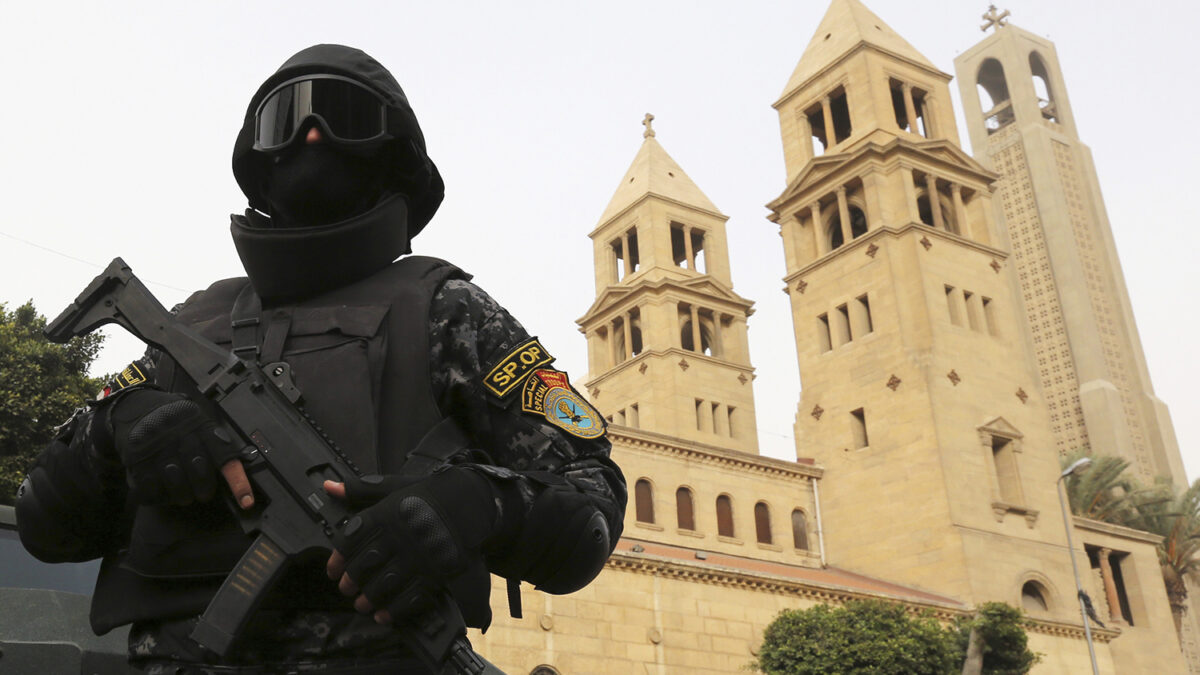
817, 411
1056, 368
954, 377
1098, 275
893, 383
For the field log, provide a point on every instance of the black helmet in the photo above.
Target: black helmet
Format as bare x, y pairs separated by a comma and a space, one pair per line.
415, 175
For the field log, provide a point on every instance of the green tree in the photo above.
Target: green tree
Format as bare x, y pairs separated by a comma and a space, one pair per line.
41, 383
1103, 491
1001, 630
1175, 518
864, 637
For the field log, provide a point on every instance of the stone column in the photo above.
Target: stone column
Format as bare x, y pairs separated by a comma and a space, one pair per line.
677, 341
871, 195
960, 211
628, 336
910, 195
1110, 585
595, 367
806, 134
612, 348
625, 252
984, 205
827, 113
935, 206
687, 248
844, 215
822, 241
927, 110
696, 344
910, 110
718, 346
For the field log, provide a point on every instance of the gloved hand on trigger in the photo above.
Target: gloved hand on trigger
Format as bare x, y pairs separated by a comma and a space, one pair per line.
171, 449
409, 543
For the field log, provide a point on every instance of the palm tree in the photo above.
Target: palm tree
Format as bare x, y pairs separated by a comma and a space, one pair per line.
1104, 491
1177, 521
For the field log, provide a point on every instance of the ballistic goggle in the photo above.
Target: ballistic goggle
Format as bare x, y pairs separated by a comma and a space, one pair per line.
346, 110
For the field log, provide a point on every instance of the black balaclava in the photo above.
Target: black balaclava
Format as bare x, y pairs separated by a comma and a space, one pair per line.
322, 216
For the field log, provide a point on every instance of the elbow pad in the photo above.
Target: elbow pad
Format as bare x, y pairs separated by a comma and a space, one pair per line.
564, 541
41, 534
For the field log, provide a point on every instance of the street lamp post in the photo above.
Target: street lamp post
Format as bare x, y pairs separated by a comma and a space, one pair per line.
1087, 628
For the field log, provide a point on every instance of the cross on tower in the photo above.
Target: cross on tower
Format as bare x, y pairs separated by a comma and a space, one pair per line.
649, 132
993, 19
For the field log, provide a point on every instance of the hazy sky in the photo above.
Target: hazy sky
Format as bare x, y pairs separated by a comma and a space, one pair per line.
119, 119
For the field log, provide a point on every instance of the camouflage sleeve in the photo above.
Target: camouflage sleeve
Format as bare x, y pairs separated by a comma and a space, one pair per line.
471, 336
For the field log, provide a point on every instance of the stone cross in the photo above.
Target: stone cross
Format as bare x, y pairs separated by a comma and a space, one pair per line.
649, 132
993, 19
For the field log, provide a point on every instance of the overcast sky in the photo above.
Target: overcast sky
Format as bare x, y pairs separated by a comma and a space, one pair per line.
119, 119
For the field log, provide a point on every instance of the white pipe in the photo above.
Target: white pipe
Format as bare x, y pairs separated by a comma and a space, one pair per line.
820, 531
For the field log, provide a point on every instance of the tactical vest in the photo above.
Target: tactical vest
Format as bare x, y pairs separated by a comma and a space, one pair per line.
360, 356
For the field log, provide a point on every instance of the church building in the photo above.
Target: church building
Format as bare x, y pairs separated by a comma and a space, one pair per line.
960, 324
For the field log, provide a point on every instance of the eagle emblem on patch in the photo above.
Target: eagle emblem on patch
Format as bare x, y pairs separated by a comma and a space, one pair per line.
549, 393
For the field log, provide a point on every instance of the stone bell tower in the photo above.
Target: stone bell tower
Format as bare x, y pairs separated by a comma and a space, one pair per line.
919, 395
1089, 357
667, 344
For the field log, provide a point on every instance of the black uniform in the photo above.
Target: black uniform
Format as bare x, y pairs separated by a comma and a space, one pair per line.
384, 352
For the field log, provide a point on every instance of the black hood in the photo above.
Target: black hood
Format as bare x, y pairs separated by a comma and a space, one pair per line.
417, 176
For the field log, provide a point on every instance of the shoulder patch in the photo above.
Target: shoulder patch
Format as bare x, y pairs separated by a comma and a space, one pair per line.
549, 393
504, 377
130, 377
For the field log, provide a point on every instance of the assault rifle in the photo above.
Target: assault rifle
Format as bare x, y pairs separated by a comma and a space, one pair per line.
286, 458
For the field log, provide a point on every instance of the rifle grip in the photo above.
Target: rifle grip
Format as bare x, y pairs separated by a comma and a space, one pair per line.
239, 595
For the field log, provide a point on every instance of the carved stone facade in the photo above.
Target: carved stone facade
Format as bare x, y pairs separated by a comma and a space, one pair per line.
940, 385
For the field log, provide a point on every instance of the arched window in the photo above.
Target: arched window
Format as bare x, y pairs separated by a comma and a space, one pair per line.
687, 339
799, 530
925, 212
993, 95
635, 335
643, 496
1042, 88
685, 509
762, 523
858, 227
1033, 597
544, 670
725, 516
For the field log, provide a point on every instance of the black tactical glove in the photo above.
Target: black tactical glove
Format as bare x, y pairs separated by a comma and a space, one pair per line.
415, 539
170, 448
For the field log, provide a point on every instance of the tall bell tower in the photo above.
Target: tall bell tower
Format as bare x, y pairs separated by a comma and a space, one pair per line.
667, 343
919, 396
1089, 357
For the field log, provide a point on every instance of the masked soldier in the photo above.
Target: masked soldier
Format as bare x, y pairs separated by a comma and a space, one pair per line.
479, 456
